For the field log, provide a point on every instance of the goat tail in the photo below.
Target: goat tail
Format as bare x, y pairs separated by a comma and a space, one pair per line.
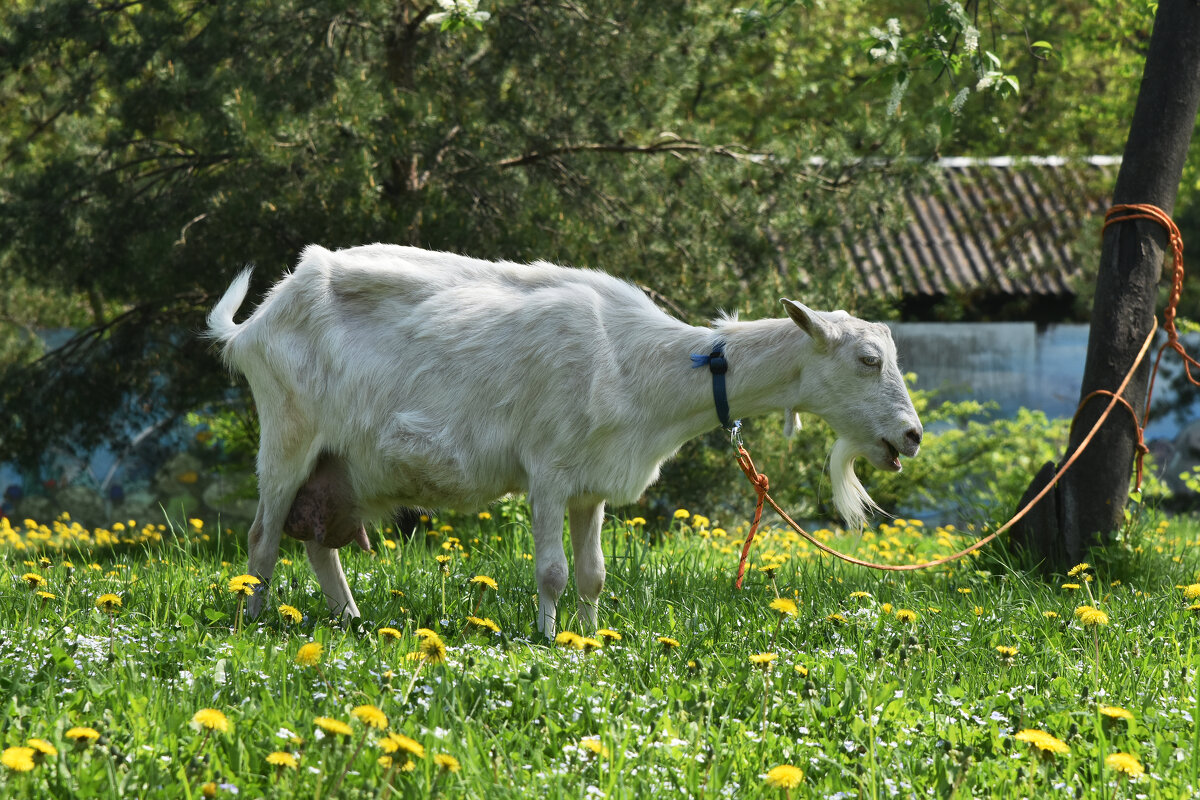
221, 327
849, 497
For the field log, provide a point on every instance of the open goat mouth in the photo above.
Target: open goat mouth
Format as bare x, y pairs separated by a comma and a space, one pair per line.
893, 455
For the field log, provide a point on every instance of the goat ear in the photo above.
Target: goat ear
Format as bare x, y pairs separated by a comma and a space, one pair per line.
809, 322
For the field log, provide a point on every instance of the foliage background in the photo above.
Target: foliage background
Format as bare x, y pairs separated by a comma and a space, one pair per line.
148, 151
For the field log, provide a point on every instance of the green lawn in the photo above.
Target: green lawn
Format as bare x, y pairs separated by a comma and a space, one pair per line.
880, 685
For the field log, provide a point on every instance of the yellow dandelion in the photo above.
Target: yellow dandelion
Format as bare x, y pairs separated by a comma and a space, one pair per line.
762, 659
638, 522
1115, 712
290, 614
1043, 741
108, 602
886, 608
484, 516
836, 618
801, 670
1126, 763
370, 716
1050, 614
432, 649
394, 742
484, 580
423, 633
282, 759
484, 622
33, 579
1070, 587
389, 634
588, 644
1191, 591
243, 585
906, 615
18, 759
1091, 617
667, 642
82, 735
47, 596
786, 607
964, 590
860, 595
43, 748
569, 639
682, 513
594, 746
309, 655
1078, 570
212, 719
334, 726
1006, 651
447, 762
609, 634
785, 776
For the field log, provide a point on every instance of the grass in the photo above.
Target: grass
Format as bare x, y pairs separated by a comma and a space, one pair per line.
880, 685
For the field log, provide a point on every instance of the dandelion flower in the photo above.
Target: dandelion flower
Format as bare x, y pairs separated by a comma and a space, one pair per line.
762, 659
1115, 712
682, 513
290, 614
1044, 742
594, 746
243, 585
1078, 570
432, 649
447, 762
1191, 591
786, 607
1050, 614
212, 719
785, 776
334, 726
1070, 587
1091, 617
43, 748
47, 596
389, 634
1126, 763
33, 579
484, 516
484, 622
906, 615
82, 735
282, 759
667, 642
860, 595
370, 716
423, 633
18, 759
836, 619
1006, 651
484, 580
396, 741
108, 602
569, 639
609, 635
309, 655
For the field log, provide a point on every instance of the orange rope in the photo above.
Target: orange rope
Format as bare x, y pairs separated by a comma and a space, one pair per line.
1118, 213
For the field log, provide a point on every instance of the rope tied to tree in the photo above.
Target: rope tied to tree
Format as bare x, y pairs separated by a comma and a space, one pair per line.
1118, 213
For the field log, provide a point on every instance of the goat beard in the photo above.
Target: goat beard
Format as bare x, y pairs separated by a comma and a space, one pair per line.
849, 497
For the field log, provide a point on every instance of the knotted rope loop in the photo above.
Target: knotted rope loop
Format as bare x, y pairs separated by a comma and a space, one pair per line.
761, 486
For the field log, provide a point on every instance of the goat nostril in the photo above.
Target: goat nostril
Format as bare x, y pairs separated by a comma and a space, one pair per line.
914, 436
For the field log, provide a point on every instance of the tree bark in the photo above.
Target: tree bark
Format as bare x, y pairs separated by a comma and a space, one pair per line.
1090, 499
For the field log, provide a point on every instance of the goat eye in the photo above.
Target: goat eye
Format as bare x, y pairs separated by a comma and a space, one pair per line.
871, 361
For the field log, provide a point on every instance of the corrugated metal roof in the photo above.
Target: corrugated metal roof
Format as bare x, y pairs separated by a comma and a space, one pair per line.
996, 225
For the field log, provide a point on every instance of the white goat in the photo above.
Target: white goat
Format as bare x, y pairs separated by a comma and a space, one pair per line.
391, 376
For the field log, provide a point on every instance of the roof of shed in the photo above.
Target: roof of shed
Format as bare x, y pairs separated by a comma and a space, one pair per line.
995, 225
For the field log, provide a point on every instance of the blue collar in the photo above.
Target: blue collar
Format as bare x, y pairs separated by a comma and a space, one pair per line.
716, 363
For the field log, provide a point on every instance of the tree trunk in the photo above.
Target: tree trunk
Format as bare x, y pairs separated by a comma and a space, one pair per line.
1090, 499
